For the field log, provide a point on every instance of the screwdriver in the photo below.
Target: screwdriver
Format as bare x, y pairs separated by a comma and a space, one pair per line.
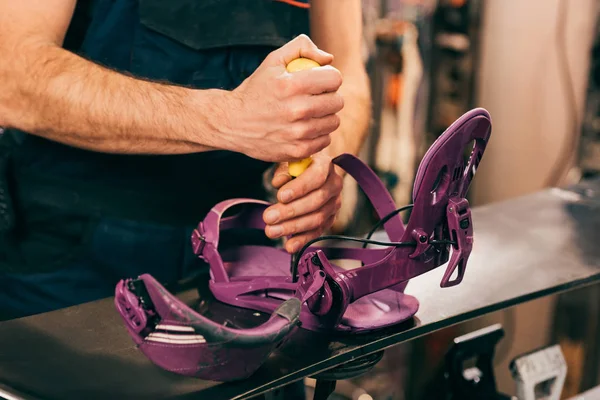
296, 168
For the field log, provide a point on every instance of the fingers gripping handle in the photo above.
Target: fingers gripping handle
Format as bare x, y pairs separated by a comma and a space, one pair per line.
296, 168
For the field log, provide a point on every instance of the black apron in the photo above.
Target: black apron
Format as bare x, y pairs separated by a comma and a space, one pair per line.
198, 43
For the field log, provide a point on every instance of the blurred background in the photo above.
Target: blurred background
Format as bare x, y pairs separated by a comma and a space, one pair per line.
535, 66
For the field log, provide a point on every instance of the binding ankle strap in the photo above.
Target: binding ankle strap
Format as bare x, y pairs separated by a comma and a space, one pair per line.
375, 191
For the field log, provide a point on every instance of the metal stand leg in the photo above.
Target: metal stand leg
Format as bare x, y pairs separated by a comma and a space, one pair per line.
323, 389
476, 382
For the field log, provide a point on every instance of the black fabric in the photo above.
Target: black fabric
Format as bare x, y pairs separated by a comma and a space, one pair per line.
221, 23
79, 25
84, 198
7, 209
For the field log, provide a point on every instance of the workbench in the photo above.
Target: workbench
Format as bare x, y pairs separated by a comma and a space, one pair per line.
525, 248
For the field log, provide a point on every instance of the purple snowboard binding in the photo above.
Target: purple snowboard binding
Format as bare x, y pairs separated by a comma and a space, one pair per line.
316, 292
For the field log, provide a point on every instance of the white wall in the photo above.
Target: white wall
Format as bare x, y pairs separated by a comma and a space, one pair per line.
519, 83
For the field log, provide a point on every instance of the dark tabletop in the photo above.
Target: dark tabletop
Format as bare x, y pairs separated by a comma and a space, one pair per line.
524, 249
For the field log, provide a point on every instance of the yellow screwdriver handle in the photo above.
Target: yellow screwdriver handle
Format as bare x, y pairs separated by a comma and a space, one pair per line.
296, 168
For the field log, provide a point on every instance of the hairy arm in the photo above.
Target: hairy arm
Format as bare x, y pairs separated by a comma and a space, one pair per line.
50, 92
336, 27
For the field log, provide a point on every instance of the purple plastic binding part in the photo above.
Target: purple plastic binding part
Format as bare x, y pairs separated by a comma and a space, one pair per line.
177, 339
325, 296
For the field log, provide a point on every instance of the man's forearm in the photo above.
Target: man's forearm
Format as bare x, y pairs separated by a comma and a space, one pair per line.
344, 42
354, 118
50, 92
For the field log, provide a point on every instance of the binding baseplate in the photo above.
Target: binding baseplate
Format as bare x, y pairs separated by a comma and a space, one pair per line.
317, 293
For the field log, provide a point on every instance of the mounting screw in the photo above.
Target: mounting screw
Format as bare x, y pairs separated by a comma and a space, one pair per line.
315, 260
422, 238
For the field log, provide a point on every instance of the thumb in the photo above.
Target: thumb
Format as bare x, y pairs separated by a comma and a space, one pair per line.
281, 176
301, 46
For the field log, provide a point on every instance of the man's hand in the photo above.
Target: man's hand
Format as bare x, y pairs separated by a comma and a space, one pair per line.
307, 205
279, 116
51, 92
